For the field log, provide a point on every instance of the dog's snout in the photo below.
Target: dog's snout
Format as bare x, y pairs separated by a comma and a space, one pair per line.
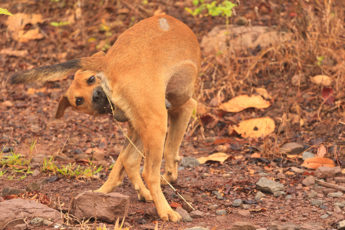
98, 95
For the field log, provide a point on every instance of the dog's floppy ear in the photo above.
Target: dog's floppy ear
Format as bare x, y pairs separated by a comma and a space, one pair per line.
63, 104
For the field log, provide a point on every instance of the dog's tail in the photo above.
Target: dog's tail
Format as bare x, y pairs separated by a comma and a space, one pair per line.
57, 71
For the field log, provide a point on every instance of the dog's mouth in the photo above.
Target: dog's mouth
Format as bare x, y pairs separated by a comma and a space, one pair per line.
102, 105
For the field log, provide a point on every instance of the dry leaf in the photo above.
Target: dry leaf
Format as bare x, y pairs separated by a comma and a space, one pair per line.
16, 25
218, 157
321, 80
321, 151
32, 91
11, 52
316, 162
255, 155
256, 127
263, 92
242, 102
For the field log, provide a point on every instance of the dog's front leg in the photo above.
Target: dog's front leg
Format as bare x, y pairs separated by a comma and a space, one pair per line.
153, 136
129, 162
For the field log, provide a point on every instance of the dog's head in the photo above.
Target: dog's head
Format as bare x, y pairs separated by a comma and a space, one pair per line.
85, 94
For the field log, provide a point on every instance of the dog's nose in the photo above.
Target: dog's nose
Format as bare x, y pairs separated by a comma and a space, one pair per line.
97, 95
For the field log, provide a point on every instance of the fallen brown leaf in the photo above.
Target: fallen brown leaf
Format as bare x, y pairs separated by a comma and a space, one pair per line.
218, 157
242, 102
321, 80
256, 127
316, 162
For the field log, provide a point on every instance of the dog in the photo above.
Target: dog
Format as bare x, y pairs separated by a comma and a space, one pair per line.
148, 78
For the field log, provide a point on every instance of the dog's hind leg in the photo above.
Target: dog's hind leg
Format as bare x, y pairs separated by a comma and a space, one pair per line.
178, 122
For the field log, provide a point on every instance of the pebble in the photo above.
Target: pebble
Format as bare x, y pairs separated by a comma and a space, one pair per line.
7, 191
327, 172
197, 228
218, 195
189, 162
309, 180
245, 213
243, 226
291, 148
307, 155
324, 216
297, 170
312, 194
237, 203
213, 206
317, 203
340, 204
341, 225
184, 214
221, 212
266, 185
197, 214
259, 195
335, 194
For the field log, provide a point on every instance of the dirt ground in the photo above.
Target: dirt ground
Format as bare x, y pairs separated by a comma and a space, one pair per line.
304, 113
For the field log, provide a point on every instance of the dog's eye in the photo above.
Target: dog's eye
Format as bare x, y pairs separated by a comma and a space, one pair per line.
91, 80
79, 101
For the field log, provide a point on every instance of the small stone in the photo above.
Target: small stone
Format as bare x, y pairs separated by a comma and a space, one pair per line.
213, 206
317, 203
312, 194
7, 191
218, 195
189, 162
297, 170
337, 209
184, 214
341, 225
221, 212
291, 148
237, 203
279, 193
288, 197
270, 186
307, 155
245, 213
259, 195
327, 172
197, 228
324, 216
37, 221
340, 204
309, 180
197, 214
335, 194
33, 187
243, 226
36, 172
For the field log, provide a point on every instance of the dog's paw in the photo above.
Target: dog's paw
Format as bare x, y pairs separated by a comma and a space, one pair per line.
169, 177
170, 215
144, 196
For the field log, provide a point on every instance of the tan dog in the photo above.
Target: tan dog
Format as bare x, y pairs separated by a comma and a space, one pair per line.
153, 63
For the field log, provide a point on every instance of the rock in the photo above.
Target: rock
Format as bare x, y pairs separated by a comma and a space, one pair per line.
312, 194
327, 172
259, 195
270, 186
309, 180
283, 226
184, 214
324, 216
7, 191
221, 212
335, 194
240, 38
317, 203
245, 213
33, 187
297, 170
312, 226
341, 225
189, 162
218, 195
196, 228
291, 148
213, 206
197, 214
104, 207
243, 226
20, 209
307, 155
340, 204
98, 154
237, 203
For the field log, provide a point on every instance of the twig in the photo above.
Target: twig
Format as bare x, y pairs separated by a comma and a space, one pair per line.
330, 185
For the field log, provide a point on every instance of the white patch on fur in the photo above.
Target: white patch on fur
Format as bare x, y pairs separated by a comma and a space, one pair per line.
163, 24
